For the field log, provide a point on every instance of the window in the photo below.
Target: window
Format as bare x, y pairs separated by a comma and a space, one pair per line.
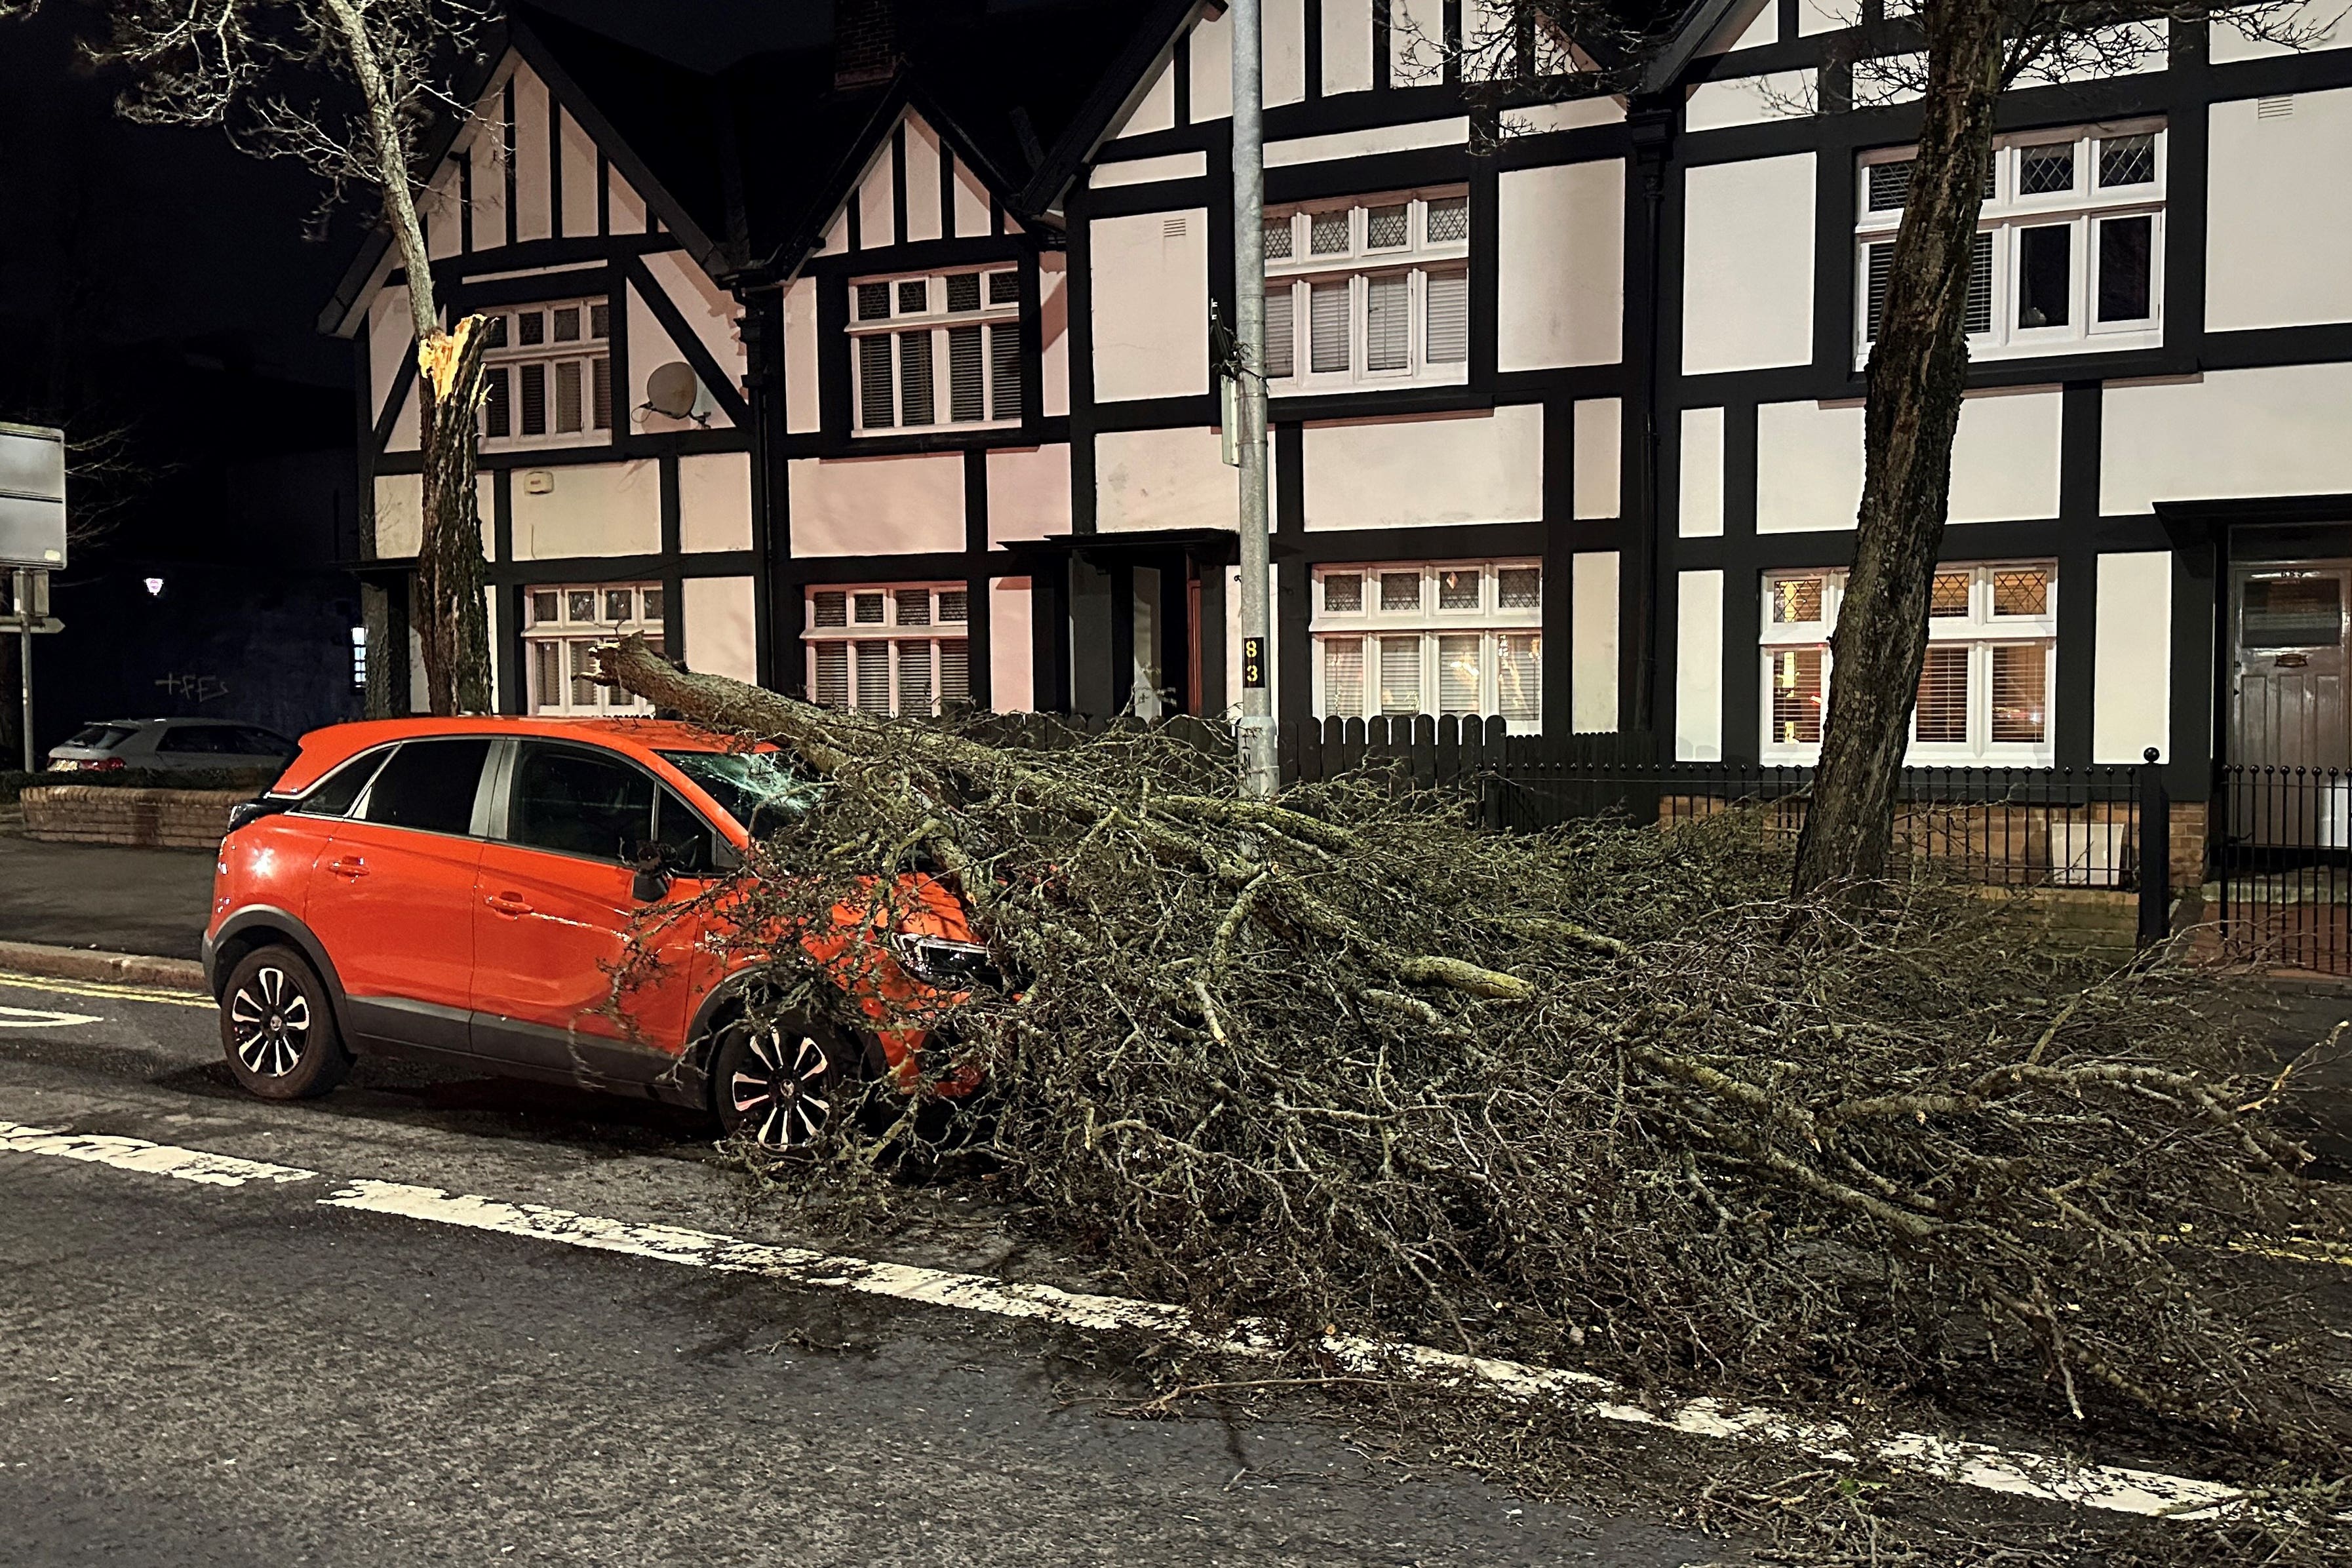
2069, 251
579, 801
1984, 691
1369, 293
342, 789
547, 376
894, 649
1464, 637
936, 351
429, 786
563, 628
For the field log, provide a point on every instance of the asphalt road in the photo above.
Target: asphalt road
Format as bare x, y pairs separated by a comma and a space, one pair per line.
201, 1375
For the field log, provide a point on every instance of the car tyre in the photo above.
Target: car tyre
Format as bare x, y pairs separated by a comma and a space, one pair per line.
782, 1084
277, 1028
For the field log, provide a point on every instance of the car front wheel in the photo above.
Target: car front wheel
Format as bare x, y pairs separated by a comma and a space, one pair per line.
277, 1028
782, 1084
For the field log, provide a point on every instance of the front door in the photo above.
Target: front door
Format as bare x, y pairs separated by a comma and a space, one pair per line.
573, 974
391, 897
2286, 701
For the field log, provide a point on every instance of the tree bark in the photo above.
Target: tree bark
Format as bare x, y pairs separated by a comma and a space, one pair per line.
1918, 372
449, 567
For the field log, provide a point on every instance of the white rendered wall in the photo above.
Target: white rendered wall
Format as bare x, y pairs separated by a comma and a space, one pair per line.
440, 208
1011, 666
876, 187
488, 155
1157, 110
1437, 468
714, 500
721, 621
399, 515
2315, 24
2005, 457
1347, 46
1151, 304
2131, 670
971, 214
1028, 492
1416, 42
800, 415
1757, 25
1748, 264
588, 508
1163, 479
1700, 503
625, 208
922, 180
1211, 82
1054, 331
390, 337
1592, 640
877, 505
1597, 439
1570, 114
2278, 234
1808, 466
579, 154
708, 308
1284, 51
1560, 240
1698, 667
1749, 100
534, 217
2270, 432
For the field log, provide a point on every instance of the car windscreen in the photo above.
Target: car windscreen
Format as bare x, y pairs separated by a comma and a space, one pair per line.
760, 790
101, 737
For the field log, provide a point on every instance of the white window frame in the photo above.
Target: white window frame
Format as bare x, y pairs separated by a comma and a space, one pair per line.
2008, 213
1981, 630
937, 322
1490, 621
568, 637
887, 638
1417, 259
513, 358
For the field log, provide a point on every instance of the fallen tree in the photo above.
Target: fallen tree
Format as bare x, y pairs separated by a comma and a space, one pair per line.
1345, 1058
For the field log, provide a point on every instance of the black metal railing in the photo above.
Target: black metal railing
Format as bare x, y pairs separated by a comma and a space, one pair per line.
2102, 828
2283, 855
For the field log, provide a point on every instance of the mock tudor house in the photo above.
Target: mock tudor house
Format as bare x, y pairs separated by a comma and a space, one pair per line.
882, 372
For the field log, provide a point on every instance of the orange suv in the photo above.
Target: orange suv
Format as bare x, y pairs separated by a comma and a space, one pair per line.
463, 889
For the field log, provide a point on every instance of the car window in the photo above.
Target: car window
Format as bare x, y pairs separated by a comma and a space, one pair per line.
580, 803
689, 845
429, 785
262, 742
760, 790
210, 738
101, 737
342, 789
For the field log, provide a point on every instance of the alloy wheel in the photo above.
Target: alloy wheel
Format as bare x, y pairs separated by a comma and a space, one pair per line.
779, 1091
270, 1018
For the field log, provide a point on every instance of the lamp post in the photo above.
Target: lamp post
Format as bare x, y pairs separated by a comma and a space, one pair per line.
1259, 772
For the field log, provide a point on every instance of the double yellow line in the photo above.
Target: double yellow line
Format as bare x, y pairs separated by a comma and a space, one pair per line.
102, 988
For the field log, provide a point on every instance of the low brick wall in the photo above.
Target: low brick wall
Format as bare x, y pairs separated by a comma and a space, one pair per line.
143, 819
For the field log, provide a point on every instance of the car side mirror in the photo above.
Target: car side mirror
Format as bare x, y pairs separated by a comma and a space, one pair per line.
652, 866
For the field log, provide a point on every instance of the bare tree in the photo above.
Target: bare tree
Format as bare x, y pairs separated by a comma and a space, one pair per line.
356, 90
1955, 58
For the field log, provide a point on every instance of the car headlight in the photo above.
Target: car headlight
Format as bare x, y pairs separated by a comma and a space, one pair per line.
936, 961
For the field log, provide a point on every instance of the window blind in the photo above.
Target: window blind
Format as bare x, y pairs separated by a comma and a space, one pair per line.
1328, 325
1449, 318
964, 390
874, 385
1279, 360
1005, 353
1388, 322
833, 674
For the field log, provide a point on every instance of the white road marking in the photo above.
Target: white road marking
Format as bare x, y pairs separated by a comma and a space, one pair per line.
37, 1018
2115, 1488
139, 1154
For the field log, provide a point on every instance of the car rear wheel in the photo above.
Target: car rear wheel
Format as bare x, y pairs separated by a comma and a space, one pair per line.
277, 1028
781, 1084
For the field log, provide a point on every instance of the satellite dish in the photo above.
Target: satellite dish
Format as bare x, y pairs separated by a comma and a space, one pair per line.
672, 389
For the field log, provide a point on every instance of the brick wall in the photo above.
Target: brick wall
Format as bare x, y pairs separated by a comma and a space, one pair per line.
144, 818
865, 42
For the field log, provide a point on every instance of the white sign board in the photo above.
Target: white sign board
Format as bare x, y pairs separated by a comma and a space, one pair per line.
32, 495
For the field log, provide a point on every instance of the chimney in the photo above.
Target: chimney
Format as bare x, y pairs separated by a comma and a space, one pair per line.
864, 43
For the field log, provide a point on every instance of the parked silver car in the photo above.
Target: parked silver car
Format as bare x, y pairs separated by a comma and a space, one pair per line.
171, 743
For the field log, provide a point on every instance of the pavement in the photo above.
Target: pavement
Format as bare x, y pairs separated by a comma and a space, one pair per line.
200, 1374
94, 895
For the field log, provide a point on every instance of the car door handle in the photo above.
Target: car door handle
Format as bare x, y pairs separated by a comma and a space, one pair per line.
508, 903
348, 866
